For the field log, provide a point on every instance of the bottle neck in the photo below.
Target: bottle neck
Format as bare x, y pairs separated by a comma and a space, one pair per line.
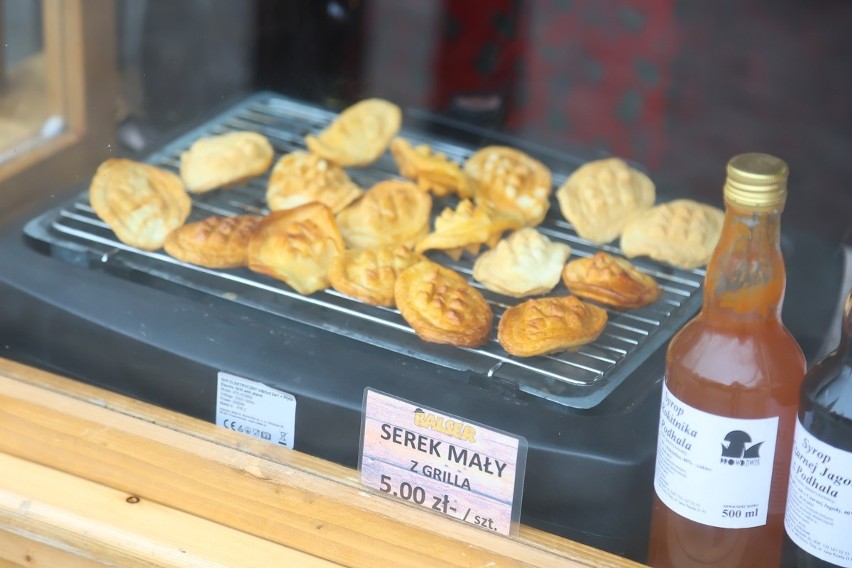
845, 345
828, 383
746, 276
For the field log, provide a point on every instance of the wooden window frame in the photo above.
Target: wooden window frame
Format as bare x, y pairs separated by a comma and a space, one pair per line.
81, 78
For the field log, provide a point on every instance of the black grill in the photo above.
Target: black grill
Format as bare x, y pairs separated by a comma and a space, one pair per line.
571, 379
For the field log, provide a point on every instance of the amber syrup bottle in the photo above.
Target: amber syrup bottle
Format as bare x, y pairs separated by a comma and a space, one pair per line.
819, 501
730, 393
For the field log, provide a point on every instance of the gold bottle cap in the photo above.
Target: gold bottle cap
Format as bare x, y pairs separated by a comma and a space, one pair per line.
756, 181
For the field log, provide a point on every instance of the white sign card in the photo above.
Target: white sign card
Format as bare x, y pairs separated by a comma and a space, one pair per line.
441, 462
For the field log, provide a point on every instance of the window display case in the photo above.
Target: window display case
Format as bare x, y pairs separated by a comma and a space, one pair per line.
672, 90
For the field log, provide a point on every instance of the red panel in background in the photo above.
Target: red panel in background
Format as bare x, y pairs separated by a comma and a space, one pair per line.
582, 73
480, 51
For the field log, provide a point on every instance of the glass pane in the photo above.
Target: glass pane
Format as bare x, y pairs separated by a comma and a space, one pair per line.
30, 107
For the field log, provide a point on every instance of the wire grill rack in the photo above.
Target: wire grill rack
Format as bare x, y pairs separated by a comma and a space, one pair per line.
573, 379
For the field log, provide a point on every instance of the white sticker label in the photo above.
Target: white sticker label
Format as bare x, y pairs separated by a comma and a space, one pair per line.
819, 502
255, 409
711, 469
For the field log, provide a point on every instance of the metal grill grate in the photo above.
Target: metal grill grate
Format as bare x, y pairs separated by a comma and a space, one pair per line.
576, 379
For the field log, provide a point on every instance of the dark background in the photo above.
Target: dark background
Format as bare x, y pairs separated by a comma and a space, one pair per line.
678, 86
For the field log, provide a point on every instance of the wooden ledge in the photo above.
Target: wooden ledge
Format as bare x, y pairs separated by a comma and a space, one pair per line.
93, 478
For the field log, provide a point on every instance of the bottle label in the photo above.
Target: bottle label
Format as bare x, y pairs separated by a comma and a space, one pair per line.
711, 469
819, 502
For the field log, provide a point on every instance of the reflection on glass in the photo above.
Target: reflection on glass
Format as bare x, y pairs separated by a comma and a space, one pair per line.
30, 87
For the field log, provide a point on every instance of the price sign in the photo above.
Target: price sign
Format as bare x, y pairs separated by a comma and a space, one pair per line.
442, 462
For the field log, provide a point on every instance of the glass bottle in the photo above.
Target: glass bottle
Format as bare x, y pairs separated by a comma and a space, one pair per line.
730, 393
819, 502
